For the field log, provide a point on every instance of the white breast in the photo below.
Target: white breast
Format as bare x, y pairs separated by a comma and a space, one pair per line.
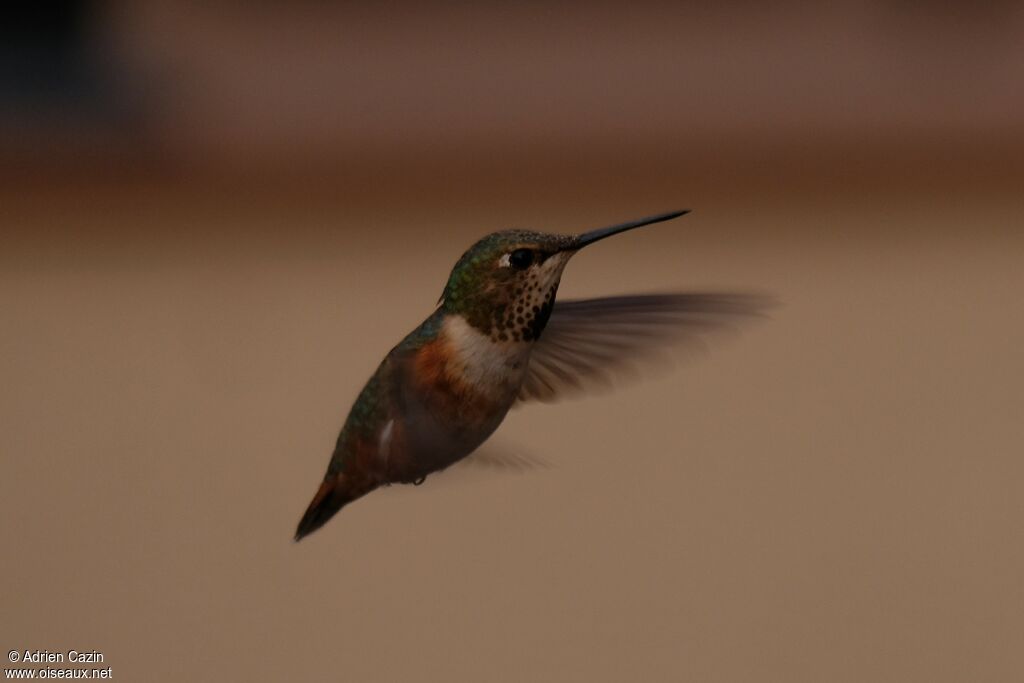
491, 367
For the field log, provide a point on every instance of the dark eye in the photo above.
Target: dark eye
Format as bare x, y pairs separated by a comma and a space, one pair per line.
520, 259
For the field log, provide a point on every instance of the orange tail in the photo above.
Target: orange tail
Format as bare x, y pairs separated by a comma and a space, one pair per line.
334, 494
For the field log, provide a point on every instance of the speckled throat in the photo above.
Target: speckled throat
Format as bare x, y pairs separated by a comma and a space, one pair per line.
505, 284
519, 310
505, 301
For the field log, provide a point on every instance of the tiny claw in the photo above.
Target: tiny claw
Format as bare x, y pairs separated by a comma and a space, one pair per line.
417, 482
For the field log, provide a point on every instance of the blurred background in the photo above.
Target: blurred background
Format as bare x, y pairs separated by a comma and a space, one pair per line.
215, 219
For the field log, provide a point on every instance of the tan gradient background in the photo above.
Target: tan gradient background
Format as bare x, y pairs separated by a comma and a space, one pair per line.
835, 494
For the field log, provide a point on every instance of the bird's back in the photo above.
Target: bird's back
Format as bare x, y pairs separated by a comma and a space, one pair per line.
432, 401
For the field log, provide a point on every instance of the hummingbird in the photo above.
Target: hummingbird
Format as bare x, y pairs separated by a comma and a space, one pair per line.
498, 337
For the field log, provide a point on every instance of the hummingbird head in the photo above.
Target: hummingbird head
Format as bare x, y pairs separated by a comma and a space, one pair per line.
505, 284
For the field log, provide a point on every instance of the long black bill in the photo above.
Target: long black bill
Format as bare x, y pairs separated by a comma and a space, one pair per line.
599, 234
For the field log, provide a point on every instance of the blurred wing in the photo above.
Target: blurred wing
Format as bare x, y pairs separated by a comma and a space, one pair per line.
503, 458
589, 343
495, 457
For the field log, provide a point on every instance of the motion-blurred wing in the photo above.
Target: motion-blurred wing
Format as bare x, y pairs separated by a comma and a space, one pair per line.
590, 343
503, 458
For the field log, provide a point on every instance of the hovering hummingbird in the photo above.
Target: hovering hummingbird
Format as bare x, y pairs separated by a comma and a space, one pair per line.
497, 337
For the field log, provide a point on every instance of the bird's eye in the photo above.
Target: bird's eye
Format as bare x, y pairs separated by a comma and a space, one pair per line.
520, 259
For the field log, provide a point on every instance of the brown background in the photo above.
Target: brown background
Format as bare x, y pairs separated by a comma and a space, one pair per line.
204, 259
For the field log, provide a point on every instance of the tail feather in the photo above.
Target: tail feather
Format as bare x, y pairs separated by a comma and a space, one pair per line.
334, 494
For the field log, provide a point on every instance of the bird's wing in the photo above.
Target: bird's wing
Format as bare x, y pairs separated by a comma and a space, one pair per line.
503, 458
589, 343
